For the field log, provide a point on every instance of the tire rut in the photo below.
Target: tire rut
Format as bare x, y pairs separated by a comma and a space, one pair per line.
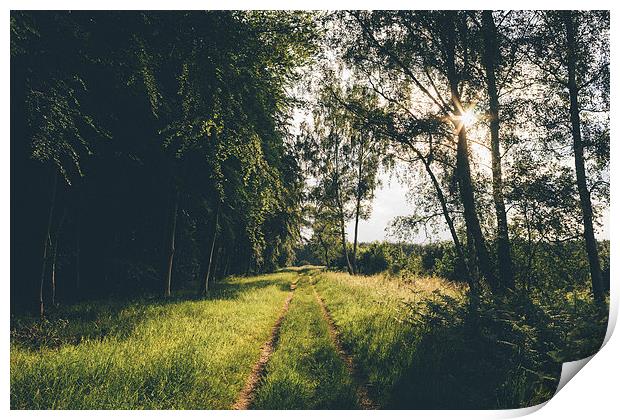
364, 400
246, 396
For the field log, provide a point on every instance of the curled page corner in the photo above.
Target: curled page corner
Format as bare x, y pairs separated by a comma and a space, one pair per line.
519, 412
569, 370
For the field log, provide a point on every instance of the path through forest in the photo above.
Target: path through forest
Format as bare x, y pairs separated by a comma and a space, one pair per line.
256, 394
299, 338
247, 393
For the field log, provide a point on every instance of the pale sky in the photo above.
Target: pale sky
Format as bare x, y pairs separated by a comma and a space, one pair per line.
390, 201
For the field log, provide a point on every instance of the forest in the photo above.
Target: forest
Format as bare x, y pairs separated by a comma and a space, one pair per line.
188, 190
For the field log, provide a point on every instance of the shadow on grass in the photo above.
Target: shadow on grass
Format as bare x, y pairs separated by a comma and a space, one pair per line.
97, 319
452, 371
507, 355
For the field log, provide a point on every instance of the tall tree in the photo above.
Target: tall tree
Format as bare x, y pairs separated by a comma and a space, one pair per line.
570, 50
408, 59
491, 57
571, 25
448, 32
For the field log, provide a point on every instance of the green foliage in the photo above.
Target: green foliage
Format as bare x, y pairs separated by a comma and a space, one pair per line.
194, 105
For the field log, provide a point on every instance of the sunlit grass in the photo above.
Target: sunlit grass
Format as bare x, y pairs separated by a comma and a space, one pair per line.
183, 354
410, 339
368, 313
305, 371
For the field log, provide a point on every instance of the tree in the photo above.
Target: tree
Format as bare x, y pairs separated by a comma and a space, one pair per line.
491, 57
584, 193
409, 57
175, 125
345, 155
571, 52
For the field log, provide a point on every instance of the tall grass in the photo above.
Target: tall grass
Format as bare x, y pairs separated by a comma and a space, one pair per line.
305, 371
419, 347
175, 354
368, 314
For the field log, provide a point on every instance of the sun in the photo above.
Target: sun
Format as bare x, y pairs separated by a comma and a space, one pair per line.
468, 118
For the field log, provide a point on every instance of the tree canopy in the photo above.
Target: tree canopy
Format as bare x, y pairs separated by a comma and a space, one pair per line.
156, 150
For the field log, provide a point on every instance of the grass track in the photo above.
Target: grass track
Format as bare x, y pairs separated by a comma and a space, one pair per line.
305, 371
365, 314
168, 355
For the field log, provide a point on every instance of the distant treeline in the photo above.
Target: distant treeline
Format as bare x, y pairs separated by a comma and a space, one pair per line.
550, 265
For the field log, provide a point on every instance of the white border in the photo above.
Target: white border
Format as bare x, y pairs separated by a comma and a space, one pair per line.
592, 395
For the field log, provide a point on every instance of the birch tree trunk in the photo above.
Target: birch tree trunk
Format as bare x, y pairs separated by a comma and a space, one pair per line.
215, 227
582, 185
491, 52
471, 280
358, 200
171, 248
54, 257
46, 242
463, 170
78, 248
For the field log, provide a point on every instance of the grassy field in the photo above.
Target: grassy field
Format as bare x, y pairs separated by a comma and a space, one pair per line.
410, 341
153, 355
413, 345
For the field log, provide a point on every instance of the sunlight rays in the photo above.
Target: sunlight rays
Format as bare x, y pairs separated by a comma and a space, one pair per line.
468, 118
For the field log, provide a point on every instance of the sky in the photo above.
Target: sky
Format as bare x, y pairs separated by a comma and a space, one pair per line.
390, 201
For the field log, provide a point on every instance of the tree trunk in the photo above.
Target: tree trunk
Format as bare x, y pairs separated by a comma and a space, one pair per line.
54, 257
357, 218
53, 279
491, 53
78, 248
469, 210
358, 201
344, 244
46, 241
582, 185
471, 280
341, 213
463, 170
171, 249
227, 267
216, 264
215, 226
326, 254
325, 250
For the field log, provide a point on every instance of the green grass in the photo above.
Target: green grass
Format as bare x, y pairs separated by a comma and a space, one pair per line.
412, 342
305, 371
147, 354
367, 313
